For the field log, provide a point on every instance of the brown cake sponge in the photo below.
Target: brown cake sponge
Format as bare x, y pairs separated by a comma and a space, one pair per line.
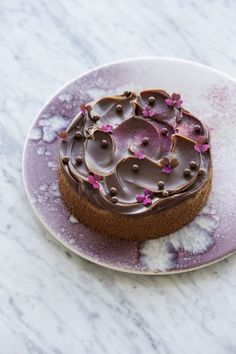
133, 227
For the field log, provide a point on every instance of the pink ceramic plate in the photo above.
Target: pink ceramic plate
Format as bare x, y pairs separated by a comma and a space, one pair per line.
207, 93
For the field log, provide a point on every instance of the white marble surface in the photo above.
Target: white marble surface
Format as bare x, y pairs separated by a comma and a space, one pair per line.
50, 300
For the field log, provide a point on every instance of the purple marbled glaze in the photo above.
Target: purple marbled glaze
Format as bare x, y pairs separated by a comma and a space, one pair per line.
212, 232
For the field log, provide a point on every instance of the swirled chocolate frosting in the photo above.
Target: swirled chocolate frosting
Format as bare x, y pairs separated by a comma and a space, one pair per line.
136, 153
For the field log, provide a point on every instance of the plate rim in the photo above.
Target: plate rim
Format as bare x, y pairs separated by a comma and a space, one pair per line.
37, 214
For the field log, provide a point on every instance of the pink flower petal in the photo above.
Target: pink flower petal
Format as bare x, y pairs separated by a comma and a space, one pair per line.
169, 102
147, 201
96, 185
205, 147
91, 179
201, 147
107, 128
94, 181
178, 103
97, 178
148, 193
140, 198
167, 169
148, 112
152, 113
139, 155
175, 96
201, 140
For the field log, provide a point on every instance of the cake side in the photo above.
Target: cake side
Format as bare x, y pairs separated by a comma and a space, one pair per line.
129, 227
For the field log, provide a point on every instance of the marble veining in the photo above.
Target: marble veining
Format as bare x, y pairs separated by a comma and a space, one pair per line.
53, 302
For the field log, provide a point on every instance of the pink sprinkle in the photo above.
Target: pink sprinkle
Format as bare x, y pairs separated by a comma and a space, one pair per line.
139, 155
107, 128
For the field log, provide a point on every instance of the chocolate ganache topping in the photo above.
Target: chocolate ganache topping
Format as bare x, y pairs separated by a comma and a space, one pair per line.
136, 154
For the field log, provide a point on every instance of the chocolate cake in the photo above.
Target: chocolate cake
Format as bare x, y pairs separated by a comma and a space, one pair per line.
135, 165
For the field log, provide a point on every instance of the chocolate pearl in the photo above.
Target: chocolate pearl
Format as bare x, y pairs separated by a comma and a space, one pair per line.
119, 108
114, 199
187, 172
113, 191
127, 93
78, 135
65, 159
161, 184
201, 172
197, 128
193, 165
78, 159
135, 167
165, 194
95, 118
103, 143
145, 140
164, 131
151, 100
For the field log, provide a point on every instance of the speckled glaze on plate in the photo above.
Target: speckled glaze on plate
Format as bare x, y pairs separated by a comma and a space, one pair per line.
208, 94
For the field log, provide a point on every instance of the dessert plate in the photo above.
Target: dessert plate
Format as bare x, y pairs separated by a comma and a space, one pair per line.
207, 93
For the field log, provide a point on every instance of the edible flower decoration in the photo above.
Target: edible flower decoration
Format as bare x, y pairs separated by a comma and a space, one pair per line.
107, 128
148, 112
201, 145
139, 155
145, 198
174, 100
94, 181
168, 164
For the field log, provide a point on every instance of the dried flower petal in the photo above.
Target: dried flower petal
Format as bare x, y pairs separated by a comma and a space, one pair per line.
201, 147
167, 169
94, 181
107, 128
169, 102
175, 96
148, 112
140, 198
201, 140
147, 201
145, 198
174, 100
148, 193
139, 155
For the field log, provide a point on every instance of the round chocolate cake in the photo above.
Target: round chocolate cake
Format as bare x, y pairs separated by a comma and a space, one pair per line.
136, 165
